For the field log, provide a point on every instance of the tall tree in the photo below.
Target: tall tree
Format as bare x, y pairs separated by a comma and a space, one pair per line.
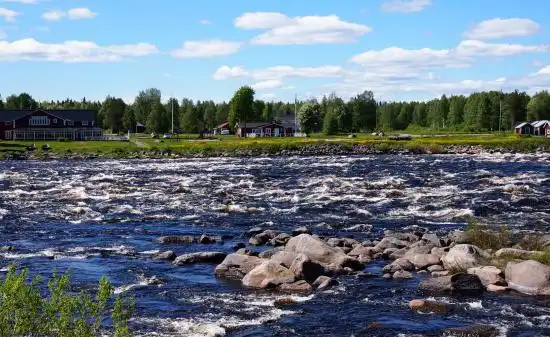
419, 116
210, 115
143, 104
309, 117
363, 110
173, 106
23, 101
112, 110
330, 123
158, 120
189, 116
539, 106
222, 112
129, 119
267, 114
241, 106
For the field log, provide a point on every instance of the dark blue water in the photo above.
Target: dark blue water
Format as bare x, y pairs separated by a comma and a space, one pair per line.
102, 217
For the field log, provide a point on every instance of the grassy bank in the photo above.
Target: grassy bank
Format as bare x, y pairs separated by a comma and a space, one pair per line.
235, 146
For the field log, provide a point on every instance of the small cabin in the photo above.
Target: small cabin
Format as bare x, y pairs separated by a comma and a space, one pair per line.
546, 130
265, 130
539, 127
524, 129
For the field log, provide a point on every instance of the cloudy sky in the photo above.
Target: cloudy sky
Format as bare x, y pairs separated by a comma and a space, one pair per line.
400, 49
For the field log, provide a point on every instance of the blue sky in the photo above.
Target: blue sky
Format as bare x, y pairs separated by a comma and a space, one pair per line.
400, 49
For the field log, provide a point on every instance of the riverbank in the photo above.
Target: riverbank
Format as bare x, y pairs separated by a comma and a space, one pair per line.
233, 147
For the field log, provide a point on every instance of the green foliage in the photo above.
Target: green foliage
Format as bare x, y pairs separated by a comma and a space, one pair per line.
24, 312
112, 111
309, 117
539, 106
330, 123
241, 107
487, 238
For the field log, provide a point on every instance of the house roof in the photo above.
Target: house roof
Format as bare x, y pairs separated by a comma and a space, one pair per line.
523, 124
222, 125
66, 114
540, 123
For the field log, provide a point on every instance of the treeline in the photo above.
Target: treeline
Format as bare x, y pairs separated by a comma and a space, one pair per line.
482, 111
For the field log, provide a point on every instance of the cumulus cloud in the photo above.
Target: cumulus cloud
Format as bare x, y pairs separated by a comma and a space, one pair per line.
53, 15
267, 84
8, 14
207, 48
277, 72
80, 13
284, 30
72, 51
404, 6
498, 28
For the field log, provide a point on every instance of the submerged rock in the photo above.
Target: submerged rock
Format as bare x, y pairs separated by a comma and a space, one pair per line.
299, 286
203, 257
428, 307
459, 283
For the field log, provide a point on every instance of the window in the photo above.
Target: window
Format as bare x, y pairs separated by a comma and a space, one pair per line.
70, 123
268, 131
55, 120
39, 120
84, 123
8, 123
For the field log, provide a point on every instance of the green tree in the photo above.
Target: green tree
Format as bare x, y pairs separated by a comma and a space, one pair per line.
112, 112
222, 113
210, 115
143, 104
267, 114
1, 103
173, 105
190, 118
363, 110
330, 123
309, 117
129, 119
419, 116
158, 120
539, 106
23, 101
514, 108
241, 106
456, 111
259, 107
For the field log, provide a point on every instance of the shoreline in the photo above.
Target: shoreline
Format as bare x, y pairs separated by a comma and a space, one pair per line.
284, 150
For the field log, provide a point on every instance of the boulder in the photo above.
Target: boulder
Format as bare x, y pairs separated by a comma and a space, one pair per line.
410, 237
428, 307
167, 255
402, 275
305, 269
464, 256
202, 257
488, 275
267, 254
317, 250
458, 237
262, 238
475, 331
517, 253
284, 258
361, 250
432, 239
176, 239
440, 273
496, 289
391, 242
422, 261
280, 240
268, 274
236, 266
528, 277
324, 282
239, 245
207, 239
439, 252
458, 283
298, 287
301, 230
254, 231
399, 264
435, 268
245, 251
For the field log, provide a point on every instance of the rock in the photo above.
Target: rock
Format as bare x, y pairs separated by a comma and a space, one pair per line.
176, 239
402, 275
244, 251
267, 254
435, 268
301, 230
439, 252
335, 242
496, 289
324, 282
387, 276
236, 266
329, 257
458, 237
458, 283
299, 286
475, 331
7, 248
167, 255
254, 231
304, 269
410, 237
239, 245
488, 275
283, 302
280, 240
203, 257
399, 264
528, 277
361, 250
422, 261
268, 274
428, 307
517, 253
388, 252
390, 242
463, 256
432, 239
440, 273
206, 239
284, 258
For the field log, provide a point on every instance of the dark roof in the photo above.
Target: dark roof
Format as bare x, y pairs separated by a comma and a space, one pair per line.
66, 114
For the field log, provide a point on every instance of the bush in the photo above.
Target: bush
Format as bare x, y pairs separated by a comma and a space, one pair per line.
485, 238
24, 312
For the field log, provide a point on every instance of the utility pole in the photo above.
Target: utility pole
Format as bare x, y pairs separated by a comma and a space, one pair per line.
172, 101
500, 112
295, 114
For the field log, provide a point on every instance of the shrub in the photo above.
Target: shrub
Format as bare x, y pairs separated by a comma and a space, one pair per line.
24, 312
486, 238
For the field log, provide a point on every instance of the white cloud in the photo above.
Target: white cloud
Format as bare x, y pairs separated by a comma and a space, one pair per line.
269, 96
72, 51
480, 48
207, 48
53, 15
544, 71
499, 28
25, 2
405, 6
283, 30
8, 14
205, 22
80, 13
278, 72
267, 84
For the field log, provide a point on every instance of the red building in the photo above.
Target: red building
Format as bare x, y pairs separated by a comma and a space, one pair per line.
49, 125
546, 130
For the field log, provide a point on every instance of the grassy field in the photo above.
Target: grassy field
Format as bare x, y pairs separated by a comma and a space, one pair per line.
230, 144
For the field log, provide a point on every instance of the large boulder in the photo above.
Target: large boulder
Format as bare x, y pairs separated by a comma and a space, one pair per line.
528, 277
236, 266
202, 257
284, 258
305, 269
515, 253
391, 242
268, 274
167, 255
458, 283
488, 275
324, 282
399, 264
333, 259
464, 256
429, 307
422, 261
262, 238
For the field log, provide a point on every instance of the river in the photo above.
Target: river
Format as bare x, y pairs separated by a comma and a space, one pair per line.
101, 217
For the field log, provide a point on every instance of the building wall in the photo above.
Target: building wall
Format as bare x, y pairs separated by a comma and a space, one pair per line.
54, 133
55, 122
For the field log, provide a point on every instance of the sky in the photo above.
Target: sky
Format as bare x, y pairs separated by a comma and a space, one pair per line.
399, 49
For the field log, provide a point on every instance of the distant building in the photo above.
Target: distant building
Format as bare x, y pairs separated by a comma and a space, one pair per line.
221, 129
539, 126
524, 128
535, 128
265, 129
44, 124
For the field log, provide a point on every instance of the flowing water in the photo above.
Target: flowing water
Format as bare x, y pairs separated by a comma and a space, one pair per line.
102, 217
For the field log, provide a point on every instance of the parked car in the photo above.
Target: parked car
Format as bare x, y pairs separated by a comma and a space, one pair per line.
224, 132
167, 136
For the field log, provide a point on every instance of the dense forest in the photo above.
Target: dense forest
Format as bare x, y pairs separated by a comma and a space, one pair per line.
481, 111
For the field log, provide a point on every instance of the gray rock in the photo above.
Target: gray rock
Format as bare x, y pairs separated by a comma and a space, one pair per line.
280, 239
463, 256
301, 230
296, 287
475, 331
528, 277
267, 254
458, 237
440, 273
284, 258
390, 242
432, 239
177, 239
399, 264
518, 253
402, 275
458, 283
488, 275
422, 261
236, 266
324, 283
167, 255
305, 269
254, 231
268, 274
202, 257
